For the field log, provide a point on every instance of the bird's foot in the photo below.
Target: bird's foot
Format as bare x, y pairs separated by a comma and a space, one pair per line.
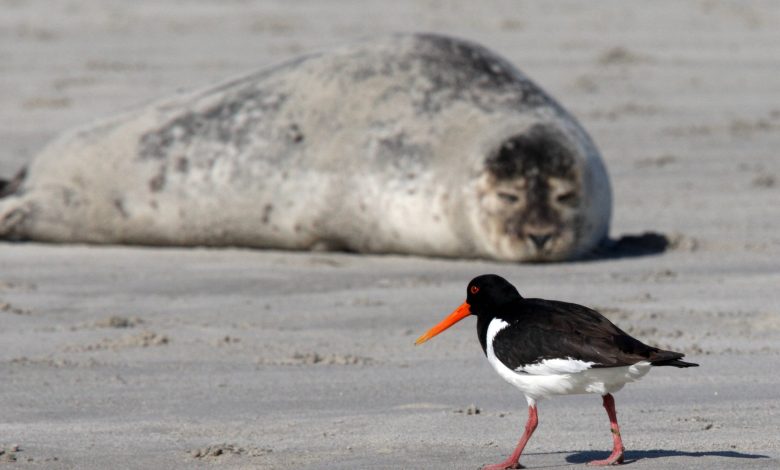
616, 458
503, 466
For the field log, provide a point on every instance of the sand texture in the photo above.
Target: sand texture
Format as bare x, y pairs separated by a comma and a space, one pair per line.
116, 357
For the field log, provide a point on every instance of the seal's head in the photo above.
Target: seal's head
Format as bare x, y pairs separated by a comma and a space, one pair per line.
536, 201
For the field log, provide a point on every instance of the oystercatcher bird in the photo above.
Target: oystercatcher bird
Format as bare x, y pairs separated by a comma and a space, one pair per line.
547, 348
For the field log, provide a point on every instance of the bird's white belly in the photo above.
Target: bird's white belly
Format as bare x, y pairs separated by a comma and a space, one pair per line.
562, 376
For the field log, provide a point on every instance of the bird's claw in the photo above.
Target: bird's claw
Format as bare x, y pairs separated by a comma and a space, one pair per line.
611, 460
503, 466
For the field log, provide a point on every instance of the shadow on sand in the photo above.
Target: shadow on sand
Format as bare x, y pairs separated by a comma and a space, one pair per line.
630, 246
634, 455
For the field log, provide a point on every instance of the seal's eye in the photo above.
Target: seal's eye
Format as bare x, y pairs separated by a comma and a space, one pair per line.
508, 197
569, 197
474, 289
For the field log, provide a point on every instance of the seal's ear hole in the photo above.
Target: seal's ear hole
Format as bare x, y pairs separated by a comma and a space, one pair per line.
508, 197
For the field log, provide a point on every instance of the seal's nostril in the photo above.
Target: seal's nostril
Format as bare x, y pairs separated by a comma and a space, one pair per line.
539, 240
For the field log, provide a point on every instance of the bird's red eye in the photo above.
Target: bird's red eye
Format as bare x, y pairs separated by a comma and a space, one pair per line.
474, 289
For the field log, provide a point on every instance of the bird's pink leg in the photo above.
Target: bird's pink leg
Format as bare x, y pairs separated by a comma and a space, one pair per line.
512, 461
616, 457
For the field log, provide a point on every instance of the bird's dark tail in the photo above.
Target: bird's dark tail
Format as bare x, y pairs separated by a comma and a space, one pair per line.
669, 358
675, 363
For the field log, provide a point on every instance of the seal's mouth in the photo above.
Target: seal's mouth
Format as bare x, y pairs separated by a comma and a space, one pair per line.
540, 247
540, 241
537, 238
537, 243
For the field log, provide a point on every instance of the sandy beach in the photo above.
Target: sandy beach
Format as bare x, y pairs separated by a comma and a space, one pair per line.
126, 357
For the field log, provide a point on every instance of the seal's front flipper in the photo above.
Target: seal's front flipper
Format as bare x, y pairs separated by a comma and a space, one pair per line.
13, 213
14, 209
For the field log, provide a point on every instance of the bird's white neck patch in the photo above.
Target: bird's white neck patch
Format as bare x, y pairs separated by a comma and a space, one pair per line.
494, 327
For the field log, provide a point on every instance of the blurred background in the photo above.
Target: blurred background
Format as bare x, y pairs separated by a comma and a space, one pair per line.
677, 93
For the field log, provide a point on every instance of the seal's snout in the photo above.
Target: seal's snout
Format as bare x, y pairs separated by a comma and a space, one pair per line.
540, 240
538, 236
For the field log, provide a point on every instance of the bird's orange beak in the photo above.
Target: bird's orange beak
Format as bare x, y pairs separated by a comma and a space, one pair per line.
459, 314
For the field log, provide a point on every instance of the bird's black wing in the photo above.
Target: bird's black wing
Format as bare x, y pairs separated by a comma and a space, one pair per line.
544, 329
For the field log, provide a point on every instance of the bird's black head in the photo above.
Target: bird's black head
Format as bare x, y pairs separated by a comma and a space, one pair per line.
484, 294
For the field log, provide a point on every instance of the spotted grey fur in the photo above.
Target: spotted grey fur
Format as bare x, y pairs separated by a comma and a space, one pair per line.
419, 144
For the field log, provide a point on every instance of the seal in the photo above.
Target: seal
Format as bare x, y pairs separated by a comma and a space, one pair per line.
414, 144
